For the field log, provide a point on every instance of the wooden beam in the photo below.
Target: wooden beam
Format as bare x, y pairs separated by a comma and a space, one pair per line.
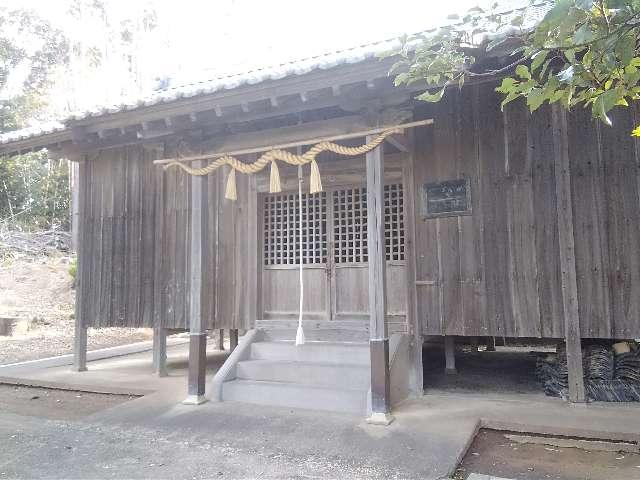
378, 335
400, 141
336, 129
566, 243
197, 327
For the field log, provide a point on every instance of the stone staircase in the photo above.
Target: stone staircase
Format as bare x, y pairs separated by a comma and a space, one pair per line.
320, 375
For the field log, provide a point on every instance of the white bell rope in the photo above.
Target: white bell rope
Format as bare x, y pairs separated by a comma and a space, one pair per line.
300, 332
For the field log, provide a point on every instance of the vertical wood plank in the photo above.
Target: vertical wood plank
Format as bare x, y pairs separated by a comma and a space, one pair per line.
589, 224
623, 220
523, 271
540, 137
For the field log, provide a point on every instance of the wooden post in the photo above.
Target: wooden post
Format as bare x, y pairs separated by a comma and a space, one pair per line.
378, 336
74, 169
564, 208
160, 351
80, 333
221, 340
233, 339
197, 329
490, 344
450, 355
80, 346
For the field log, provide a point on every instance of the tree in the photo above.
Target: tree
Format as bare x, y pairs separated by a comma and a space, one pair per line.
582, 53
30, 49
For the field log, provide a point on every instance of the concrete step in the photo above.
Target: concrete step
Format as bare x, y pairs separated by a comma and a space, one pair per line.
306, 373
295, 396
315, 334
356, 353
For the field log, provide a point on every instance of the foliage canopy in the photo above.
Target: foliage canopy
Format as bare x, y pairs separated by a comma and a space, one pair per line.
582, 52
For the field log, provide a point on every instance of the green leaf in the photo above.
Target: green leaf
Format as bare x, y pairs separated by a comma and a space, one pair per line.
605, 102
507, 85
556, 15
625, 48
537, 59
523, 72
636, 131
583, 35
535, 99
432, 97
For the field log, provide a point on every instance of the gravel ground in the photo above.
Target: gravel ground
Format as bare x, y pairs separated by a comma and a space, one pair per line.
55, 404
39, 292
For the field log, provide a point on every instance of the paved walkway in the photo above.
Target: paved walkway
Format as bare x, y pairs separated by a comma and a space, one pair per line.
156, 436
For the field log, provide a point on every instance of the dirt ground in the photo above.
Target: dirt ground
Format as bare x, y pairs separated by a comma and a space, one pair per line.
39, 291
493, 453
55, 404
507, 370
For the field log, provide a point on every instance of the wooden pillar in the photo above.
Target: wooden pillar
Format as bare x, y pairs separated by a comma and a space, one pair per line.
378, 335
221, 339
74, 169
566, 244
160, 351
490, 344
233, 339
80, 346
450, 355
197, 327
80, 331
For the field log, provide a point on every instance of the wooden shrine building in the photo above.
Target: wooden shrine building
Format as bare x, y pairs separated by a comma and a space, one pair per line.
472, 222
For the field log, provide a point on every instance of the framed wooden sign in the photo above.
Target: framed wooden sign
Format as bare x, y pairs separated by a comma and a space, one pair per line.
447, 198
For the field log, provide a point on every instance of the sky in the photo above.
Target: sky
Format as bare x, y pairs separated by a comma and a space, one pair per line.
202, 39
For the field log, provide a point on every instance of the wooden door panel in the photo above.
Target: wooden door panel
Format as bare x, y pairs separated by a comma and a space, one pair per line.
281, 293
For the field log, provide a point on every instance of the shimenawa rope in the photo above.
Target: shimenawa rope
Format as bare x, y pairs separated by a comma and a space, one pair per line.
272, 156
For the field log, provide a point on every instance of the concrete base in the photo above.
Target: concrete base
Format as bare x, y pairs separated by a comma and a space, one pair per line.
450, 371
378, 418
194, 400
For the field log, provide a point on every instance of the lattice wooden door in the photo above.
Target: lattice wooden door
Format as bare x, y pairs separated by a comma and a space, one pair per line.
334, 248
350, 271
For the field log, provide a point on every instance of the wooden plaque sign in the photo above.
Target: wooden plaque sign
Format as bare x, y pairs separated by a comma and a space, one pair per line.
445, 199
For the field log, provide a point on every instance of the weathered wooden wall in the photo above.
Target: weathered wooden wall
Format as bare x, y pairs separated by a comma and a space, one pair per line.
497, 271
134, 260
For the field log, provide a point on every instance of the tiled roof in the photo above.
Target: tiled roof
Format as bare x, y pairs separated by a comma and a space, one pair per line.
299, 67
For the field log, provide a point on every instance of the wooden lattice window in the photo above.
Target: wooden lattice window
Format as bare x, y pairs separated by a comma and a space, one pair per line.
350, 224
282, 224
394, 221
